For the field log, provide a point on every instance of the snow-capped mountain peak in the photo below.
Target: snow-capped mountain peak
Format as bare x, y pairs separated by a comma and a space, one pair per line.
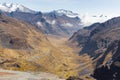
65, 12
10, 7
86, 19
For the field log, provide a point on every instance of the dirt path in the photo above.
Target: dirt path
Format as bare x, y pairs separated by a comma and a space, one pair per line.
17, 75
6, 73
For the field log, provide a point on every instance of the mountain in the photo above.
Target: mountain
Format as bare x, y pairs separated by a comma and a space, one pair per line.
25, 48
48, 23
101, 41
86, 19
62, 23
58, 22
68, 13
10, 7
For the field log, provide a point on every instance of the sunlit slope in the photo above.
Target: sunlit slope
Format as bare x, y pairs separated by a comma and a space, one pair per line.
22, 47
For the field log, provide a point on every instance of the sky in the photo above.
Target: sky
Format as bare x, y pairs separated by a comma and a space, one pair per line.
106, 7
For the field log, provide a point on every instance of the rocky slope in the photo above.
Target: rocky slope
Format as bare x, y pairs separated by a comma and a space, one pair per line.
101, 42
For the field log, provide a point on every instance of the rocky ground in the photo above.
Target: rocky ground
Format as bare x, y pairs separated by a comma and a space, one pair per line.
17, 75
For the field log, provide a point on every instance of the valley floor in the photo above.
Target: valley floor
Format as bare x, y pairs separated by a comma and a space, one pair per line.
82, 64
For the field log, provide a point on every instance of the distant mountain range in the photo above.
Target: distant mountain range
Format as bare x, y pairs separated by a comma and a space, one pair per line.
58, 22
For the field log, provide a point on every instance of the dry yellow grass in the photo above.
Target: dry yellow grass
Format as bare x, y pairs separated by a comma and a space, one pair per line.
36, 52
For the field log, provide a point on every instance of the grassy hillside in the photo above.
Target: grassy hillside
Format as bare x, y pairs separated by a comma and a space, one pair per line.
24, 48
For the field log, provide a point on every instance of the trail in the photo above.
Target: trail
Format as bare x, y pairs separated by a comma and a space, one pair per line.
17, 75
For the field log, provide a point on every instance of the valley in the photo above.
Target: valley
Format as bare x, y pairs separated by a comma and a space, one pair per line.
57, 45
33, 51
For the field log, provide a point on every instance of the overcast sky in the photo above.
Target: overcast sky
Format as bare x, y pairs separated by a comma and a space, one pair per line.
107, 7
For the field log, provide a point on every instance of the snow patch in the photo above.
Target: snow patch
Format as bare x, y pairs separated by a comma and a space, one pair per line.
39, 23
67, 25
68, 13
53, 22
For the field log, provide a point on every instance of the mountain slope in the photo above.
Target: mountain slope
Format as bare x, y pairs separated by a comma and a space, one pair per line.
101, 42
62, 23
23, 47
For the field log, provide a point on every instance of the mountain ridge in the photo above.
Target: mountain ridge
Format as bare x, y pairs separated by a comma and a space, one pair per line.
101, 41
86, 19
